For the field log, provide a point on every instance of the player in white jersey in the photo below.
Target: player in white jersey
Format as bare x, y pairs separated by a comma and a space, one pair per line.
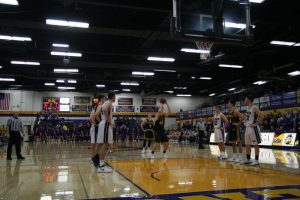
254, 117
95, 120
105, 133
219, 120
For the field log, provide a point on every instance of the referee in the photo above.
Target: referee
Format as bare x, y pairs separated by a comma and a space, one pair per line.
15, 125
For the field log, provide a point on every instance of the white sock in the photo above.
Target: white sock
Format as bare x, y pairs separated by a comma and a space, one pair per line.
101, 163
222, 154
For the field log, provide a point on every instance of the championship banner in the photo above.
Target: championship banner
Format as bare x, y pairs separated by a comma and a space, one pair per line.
264, 102
278, 139
125, 109
82, 100
149, 101
276, 100
204, 111
190, 114
125, 101
256, 102
79, 107
199, 113
267, 138
289, 98
148, 108
298, 96
51, 103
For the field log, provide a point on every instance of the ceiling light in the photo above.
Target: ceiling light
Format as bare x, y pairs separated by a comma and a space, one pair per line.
256, 1
235, 25
67, 23
60, 45
259, 82
72, 81
294, 73
212, 94
15, 38
126, 90
130, 83
143, 73
283, 43
165, 70
49, 84
296, 45
16, 85
163, 59
194, 50
116, 90
231, 89
61, 53
7, 79
169, 91
0, 66
193, 77
231, 66
180, 88
60, 81
100, 86
66, 70
205, 78
9, 2
16, 62
184, 95
66, 88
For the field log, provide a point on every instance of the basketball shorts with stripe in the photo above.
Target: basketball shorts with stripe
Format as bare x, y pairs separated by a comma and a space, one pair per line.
105, 133
252, 136
219, 135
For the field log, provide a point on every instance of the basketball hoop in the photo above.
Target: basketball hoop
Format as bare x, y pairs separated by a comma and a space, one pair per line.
204, 45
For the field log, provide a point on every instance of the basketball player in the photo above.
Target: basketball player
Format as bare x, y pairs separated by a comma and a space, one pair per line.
254, 117
219, 120
234, 136
160, 134
105, 132
95, 120
147, 127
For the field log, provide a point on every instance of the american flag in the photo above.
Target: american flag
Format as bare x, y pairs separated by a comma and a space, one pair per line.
4, 101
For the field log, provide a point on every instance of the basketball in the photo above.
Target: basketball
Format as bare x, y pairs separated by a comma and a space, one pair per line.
162, 101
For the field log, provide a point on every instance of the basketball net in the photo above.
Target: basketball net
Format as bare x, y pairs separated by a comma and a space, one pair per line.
204, 45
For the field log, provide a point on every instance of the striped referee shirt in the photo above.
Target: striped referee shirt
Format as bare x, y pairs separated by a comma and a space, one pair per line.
14, 124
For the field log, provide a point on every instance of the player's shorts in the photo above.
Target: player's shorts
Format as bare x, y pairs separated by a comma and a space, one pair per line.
161, 137
252, 135
94, 133
219, 135
149, 134
105, 133
234, 135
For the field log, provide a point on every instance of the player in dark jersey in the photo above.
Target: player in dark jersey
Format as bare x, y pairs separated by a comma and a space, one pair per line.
234, 137
160, 134
148, 129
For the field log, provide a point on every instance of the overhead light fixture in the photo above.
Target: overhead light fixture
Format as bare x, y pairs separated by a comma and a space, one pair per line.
126, 90
67, 23
100, 86
116, 90
169, 91
60, 45
49, 84
66, 70
194, 50
231, 89
66, 88
221, 95
61, 53
16, 85
162, 59
130, 83
7, 79
212, 94
205, 78
180, 88
193, 77
15, 38
143, 73
17, 62
72, 81
60, 81
294, 73
9, 2
282, 43
165, 70
259, 82
235, 25
256, 1
297, 45
184, 95
231, 66
0, 66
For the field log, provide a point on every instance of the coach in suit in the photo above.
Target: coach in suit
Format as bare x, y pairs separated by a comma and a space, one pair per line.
15, 126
